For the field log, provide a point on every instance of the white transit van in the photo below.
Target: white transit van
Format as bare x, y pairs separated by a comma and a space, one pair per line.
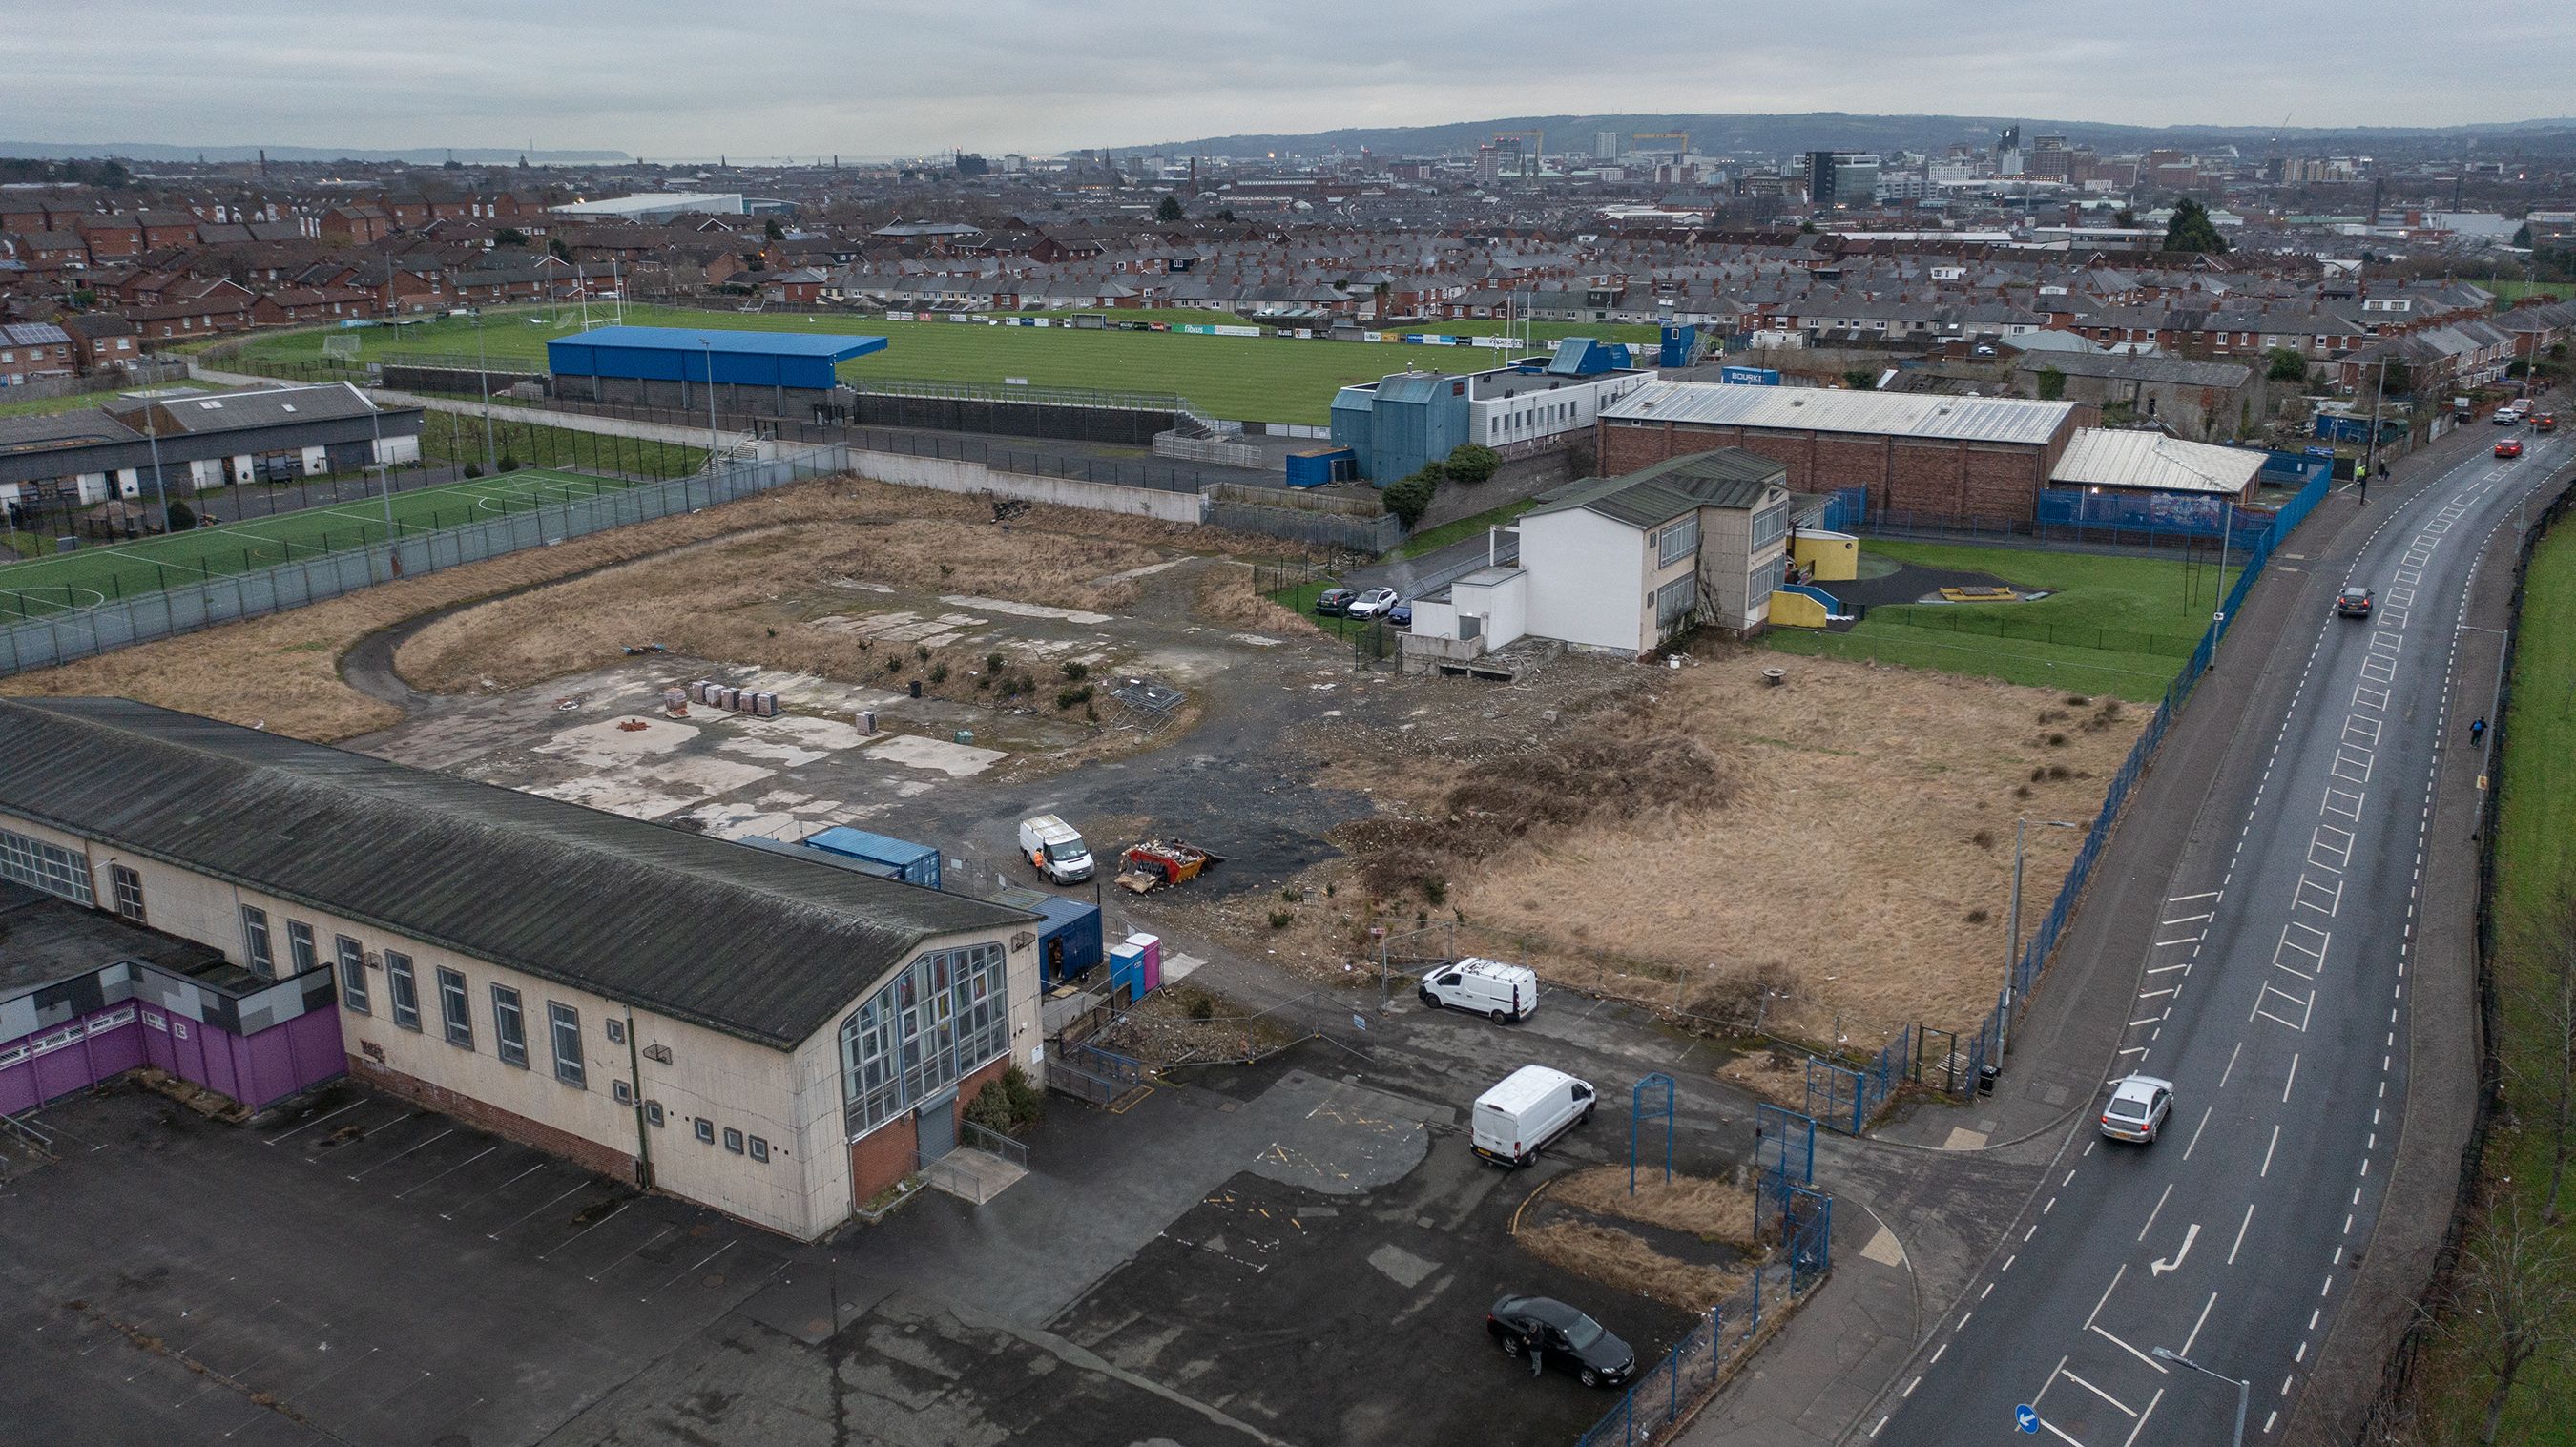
1483, 987
1530, 1109
1056, 851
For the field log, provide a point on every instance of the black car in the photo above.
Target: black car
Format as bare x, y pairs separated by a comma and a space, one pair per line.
2355, 602
1560, 1336
1335, 602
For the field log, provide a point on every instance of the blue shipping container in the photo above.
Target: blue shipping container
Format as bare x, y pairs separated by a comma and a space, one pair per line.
1321, 465
1069, 942
898, 858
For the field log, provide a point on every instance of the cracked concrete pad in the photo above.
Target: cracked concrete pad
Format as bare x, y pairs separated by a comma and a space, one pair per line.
1401, 1266
957, 761
1022, 610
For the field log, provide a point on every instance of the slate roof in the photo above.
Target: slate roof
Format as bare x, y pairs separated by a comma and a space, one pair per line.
758, 945
1651, 496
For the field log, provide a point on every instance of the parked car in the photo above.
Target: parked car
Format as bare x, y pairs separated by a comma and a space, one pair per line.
1483, 987
2509, 448
1557, 1335
2507, 415
1335, 602
2355, 602
2137, 1108
1374, 602
1401, 615
1521, 1117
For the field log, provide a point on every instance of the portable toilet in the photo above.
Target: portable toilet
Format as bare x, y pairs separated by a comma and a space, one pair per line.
1152, 947
896, 858
1127, 970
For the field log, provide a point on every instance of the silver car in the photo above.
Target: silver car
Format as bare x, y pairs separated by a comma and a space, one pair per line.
1373, 602
2137, 1108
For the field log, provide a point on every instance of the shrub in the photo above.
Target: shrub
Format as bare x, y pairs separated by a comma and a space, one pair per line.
181, 517
509, 463
1066, 698
473, 469
1203, 1007
1472, 463
1007, 1104
1435, 890
2057, 741
1978, 915
1075, 669
992, 663
1279, 918
921, 652
1409, 498
1983, 839
991, 1108
1293, 894
894, 663
939, 673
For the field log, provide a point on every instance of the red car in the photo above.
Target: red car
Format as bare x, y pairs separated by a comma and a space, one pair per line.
2510, 447
2545, 422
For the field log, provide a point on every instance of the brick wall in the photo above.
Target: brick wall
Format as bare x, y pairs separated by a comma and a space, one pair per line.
588, 1154
1934, 476
884, 1156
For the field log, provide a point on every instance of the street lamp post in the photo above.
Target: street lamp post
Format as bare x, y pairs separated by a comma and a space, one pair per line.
2244, 1386
2012, 929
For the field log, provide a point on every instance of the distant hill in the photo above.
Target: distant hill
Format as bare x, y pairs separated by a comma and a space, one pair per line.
422, 156
1780, 135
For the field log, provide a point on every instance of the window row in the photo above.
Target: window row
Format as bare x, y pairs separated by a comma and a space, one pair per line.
455, 1007
932, 1025
734, 1140
49, 867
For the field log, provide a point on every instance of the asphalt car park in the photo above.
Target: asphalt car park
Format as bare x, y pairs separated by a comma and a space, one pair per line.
1300, 1250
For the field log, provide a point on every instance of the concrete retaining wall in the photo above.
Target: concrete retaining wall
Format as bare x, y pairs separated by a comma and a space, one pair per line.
946, 475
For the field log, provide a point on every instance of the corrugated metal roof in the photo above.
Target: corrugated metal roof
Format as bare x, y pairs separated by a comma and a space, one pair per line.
1964, 419
757, 944
831, 346
232, 411
2099, 457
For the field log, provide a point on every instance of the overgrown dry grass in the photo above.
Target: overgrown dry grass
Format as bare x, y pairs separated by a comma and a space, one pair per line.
1711, 1210
710, 602
1623, 1259
1831, 858
1228, 595
282, 672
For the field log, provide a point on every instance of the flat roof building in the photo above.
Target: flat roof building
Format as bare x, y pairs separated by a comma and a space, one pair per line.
770, 1036
648, 209
757, 371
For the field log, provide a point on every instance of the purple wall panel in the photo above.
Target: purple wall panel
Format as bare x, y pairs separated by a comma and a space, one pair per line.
60, 1072
18, 1088
119, 1049
157, 1048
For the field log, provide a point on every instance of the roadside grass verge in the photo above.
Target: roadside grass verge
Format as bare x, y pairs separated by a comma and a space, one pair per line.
2535, 871
2116, 625
1466, 527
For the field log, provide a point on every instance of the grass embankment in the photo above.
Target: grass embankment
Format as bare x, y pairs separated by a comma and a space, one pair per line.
2115, 625
2536, 934
1267, 379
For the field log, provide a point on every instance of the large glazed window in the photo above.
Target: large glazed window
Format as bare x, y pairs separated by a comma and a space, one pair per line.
944, 1017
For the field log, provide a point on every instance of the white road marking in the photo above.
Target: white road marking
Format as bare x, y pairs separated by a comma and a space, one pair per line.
2240, 1233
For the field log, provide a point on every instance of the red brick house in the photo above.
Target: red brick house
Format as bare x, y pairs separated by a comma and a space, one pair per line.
182, 321
356, 225
110, 238
296, 305
102, 339
167, 228
29, 350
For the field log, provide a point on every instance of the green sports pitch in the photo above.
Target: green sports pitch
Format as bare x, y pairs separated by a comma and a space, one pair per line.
61, 582
1262, 379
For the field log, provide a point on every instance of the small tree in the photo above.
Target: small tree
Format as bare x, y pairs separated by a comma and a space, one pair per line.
2192, 230
1859, 379
773, 230
2512, 1301
1472, 462
509, 236
1170, 210
180, 517
555, 248
1410, 497
2286, 366
2052, 384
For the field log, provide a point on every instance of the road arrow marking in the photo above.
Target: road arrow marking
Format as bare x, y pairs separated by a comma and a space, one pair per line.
2190, 1234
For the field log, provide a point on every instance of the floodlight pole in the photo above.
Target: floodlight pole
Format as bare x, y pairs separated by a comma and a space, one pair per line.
715, 448
483, 371
384, 479
2012, 929
160, 487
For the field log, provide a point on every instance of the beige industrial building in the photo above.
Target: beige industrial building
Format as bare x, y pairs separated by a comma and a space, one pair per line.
776, 1038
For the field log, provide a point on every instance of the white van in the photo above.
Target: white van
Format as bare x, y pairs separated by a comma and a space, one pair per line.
1055, 850
1483, 987
1527, 1112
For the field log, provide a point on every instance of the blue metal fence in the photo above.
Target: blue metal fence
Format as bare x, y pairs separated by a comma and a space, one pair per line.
1987, 1045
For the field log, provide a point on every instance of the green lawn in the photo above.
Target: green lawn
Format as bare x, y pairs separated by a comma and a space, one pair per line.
1466, 527
59, 581
1264, 379
2535, 857
2121, 626
2514, 291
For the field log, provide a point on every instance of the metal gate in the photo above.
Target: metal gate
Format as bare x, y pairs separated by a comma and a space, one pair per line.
1784, 1160
1939, 1064
1835, 1097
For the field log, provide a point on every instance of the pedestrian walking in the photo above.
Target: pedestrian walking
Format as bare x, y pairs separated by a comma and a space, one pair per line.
2477, 728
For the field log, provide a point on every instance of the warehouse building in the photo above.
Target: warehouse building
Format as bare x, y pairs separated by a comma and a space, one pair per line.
772, 374
1934, 457
773, 1037
200, 441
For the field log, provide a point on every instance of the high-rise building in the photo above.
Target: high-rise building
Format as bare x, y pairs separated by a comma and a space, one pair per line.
1605, 145
1841, 178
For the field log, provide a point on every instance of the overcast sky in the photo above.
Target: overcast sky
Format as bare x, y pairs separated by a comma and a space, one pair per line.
666, 79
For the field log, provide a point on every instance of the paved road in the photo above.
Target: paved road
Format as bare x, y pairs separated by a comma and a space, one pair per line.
2274, 993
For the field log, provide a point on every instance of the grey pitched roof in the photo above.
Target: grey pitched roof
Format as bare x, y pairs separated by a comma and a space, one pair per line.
1638, 502
1651, 496
262, 407
758, 945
